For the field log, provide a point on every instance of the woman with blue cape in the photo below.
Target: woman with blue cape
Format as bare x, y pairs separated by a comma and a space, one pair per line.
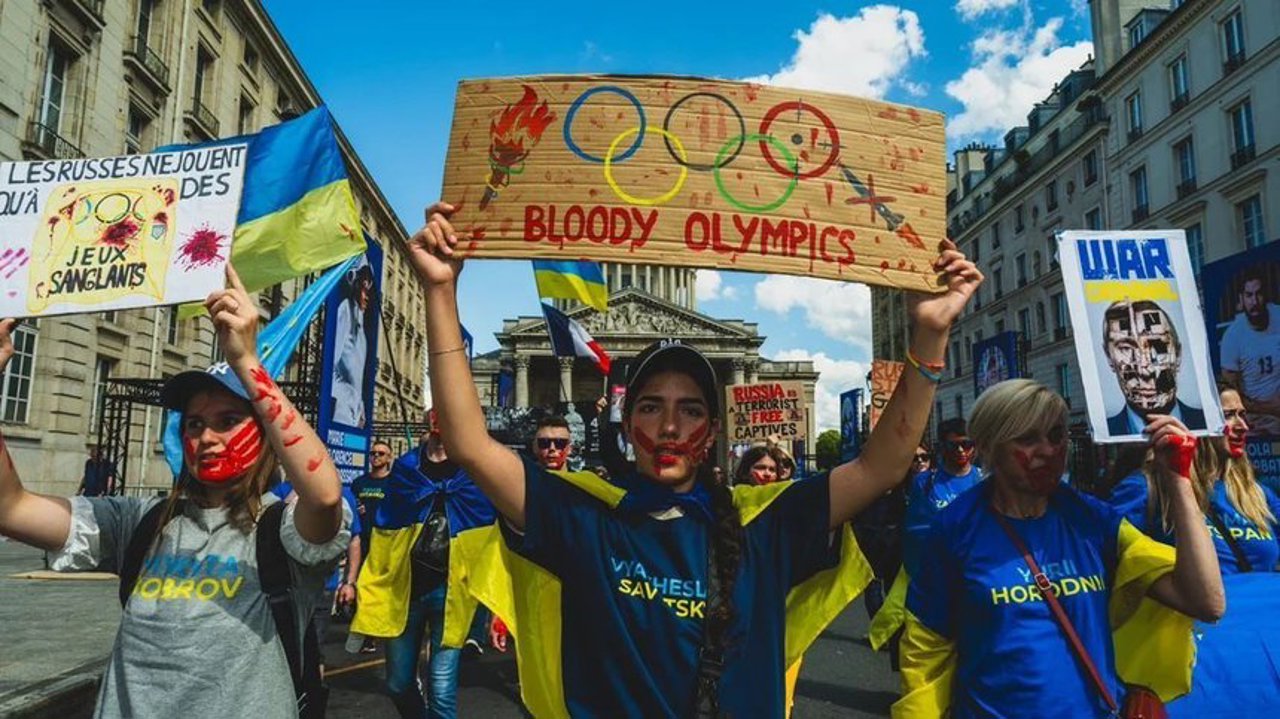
667, 594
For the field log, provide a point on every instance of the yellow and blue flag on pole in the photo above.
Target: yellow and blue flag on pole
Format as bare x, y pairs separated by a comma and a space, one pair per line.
572, 280
297, 212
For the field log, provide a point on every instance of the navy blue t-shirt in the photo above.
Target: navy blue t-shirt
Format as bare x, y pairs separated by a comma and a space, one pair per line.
928, 493
633, 592
975, 589
1258, 544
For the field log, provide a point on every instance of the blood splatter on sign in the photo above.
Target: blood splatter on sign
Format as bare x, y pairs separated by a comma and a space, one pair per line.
701, 173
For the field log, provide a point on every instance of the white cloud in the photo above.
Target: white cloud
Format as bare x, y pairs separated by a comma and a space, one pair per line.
840, 310
709, 285
970, 9
864, 54
1013, 70
836, 376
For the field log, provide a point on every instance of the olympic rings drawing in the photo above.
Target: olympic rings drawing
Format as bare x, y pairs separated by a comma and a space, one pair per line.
763, 139
573, 111
102, 204
644, 201
742, 131
829, 126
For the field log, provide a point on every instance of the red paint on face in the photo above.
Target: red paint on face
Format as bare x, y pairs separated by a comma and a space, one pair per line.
667, 454
240, 453
763, 477
1236, 437
1045, 475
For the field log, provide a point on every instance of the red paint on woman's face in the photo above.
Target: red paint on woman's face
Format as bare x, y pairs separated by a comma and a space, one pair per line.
1042, 468
1237, 429
670, 428
221, 440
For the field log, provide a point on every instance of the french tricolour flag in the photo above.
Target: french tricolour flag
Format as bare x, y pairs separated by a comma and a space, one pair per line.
569, 339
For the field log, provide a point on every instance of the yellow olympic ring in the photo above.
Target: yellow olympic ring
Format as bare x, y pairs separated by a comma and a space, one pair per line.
645, 201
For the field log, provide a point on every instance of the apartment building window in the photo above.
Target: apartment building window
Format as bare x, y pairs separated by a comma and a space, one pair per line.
1024, 322
1195, 246
1051, 196
1090, 166
211, 6
1042, 325
1018, 224
1179, 88
959, 401
244, 118
1133, 115
57, 67
1020, 263
997, 280
136, 131
1242, 134
204, 65
957, 365
1138, 189
251, 59
1233, 41
171, 326
146, 8
1060, 320
1137, 34
999, 328
995, 235
16, 381
1093, 219
101, 374
1252, 222
1064, 382
977, 247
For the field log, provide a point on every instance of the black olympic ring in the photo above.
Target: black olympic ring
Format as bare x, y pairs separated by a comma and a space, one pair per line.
742, 125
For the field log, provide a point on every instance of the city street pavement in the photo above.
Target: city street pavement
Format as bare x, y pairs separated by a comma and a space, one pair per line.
59, 631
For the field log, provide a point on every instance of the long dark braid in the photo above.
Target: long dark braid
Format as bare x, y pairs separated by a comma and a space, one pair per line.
726, 537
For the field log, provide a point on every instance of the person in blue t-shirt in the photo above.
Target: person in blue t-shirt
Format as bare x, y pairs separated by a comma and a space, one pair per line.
981, 640
931, 490
666, 594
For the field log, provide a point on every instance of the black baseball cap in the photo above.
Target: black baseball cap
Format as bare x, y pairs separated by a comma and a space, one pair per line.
673, 354
183, 386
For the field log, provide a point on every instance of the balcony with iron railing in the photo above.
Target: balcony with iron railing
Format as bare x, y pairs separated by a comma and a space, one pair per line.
1179, 101
1243, 156
203, 118
89, 11
1234, 62
43, 142
1135, 134
148, 64
1186, 187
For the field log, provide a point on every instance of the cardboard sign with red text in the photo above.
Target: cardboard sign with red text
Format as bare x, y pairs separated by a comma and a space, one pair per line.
698, 173
884, 378
756, 412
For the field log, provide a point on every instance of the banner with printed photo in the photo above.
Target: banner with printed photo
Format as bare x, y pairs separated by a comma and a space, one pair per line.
1139, 332
696, 172
995, 360
850, 423
113, 233
756, 412
350, 364
884, 378
1242, 313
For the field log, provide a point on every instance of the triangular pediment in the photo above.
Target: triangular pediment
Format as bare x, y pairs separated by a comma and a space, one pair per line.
635, 312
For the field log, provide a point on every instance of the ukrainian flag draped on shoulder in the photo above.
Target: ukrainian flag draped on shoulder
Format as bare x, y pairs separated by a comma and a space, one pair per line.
386, 577
297, 212
528, 597
572, 280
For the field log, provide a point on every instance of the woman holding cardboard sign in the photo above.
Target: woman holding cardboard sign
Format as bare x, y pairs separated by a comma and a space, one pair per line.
677, 586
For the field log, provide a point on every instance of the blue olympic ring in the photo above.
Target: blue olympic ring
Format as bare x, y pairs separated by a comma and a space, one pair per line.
573, 109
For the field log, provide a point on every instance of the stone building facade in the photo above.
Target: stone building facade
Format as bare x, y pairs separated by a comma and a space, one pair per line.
1166, 128
87, 78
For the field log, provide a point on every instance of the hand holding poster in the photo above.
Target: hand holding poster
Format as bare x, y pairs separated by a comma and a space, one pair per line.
756, 412
698, 173
116, 232
1139, 334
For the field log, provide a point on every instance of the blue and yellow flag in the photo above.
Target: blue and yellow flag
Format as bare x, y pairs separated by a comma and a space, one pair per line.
572, 280
297, 213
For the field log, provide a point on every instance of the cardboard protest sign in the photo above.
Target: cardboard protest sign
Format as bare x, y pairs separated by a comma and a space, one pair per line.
884, 378
1139, 332
1243, 320
117, 232
759, 411
698, 173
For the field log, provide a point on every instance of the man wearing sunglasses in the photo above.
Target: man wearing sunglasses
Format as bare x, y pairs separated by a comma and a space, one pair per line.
370, 488
552, 444
934, 488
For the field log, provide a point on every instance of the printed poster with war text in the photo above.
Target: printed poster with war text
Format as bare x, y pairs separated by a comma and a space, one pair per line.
1139, 332
110, 233
757, 412
691, 172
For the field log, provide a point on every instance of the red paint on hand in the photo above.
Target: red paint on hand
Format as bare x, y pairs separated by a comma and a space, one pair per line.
293, 440
1182, 454
314, 463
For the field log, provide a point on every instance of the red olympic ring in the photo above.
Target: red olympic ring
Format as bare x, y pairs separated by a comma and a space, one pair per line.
830, 127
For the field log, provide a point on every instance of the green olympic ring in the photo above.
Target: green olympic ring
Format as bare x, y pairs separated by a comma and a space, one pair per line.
782, 150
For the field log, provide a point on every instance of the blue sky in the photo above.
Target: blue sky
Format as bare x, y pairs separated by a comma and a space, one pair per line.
388, 72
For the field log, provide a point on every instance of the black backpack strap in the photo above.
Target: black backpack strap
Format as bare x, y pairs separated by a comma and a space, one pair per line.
143, 537
711, 651
302, 652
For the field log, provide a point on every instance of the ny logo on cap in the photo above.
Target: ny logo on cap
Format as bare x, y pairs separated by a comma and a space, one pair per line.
220, 368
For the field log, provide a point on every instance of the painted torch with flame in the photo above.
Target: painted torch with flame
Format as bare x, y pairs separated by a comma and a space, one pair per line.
512, 136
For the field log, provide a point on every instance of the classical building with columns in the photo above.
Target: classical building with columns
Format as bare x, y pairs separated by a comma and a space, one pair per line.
646, 303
